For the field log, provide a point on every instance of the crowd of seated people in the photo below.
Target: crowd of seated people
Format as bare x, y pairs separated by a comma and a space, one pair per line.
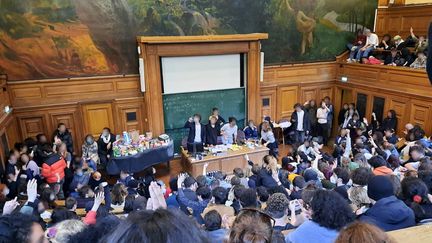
371, 182
390, 51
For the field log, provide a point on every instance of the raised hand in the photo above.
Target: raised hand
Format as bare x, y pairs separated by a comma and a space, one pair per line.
10, 206
31, 190
99, 197
156, 196
180, 179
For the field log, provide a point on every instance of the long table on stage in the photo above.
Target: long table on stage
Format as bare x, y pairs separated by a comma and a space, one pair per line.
140, 161
225, 161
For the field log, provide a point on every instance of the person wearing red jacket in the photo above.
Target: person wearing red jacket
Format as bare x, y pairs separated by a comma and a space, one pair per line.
53, 170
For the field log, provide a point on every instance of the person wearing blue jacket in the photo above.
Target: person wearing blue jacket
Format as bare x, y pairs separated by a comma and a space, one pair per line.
388, 212
251, 131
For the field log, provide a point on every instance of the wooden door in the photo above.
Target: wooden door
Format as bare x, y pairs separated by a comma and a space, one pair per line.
421, 114
400, 105
33, 125
268, 104
309, 93
71, 118
323, 92
287, 97
96, 117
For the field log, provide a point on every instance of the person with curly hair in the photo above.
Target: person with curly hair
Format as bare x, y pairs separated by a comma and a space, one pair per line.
329, 214
277, 207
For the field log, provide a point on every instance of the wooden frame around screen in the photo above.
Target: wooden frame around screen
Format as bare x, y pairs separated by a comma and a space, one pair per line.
154, 47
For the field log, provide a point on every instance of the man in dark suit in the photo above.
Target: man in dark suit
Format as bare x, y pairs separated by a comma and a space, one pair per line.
300, 123
197, 134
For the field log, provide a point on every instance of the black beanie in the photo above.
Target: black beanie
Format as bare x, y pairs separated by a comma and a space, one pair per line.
380, 187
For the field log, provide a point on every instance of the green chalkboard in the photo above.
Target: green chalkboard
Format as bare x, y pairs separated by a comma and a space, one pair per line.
179, 107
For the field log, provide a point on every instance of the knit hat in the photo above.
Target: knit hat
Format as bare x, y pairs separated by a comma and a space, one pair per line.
310, 175
398, 37
380, 187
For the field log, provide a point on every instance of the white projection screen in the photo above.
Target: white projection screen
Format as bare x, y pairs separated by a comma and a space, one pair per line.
200, 73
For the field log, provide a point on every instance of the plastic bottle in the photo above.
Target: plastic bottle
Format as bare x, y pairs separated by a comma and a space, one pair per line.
126, 138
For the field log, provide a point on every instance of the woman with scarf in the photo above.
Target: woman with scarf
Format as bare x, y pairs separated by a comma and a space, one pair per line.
90, 152
105, 144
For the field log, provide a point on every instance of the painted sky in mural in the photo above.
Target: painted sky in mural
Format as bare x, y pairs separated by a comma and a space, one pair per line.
69, 38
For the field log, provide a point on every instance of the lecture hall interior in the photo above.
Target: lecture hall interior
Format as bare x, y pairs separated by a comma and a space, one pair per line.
235, 121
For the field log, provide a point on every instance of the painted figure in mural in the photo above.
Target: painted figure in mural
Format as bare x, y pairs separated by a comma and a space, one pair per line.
305, 24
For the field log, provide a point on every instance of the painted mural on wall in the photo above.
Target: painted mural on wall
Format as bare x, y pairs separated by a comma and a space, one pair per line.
68, 38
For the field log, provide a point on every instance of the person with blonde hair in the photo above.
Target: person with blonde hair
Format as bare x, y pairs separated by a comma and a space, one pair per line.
62, 231
268, 139
364, 233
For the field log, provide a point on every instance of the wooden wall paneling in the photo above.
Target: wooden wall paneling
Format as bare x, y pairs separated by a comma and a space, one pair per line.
134, 109
398, 81
308, 93
9, 135
312, 73
421, 114
401, 106
4, 98
66, 91
70, 116
153, 94
13, 133
33, 125
287, 97
96, 117
398, 20
325, 91
268, 96
253, 80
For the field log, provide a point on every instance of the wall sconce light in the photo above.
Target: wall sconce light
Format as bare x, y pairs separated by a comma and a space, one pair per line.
344, 79
7, 109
